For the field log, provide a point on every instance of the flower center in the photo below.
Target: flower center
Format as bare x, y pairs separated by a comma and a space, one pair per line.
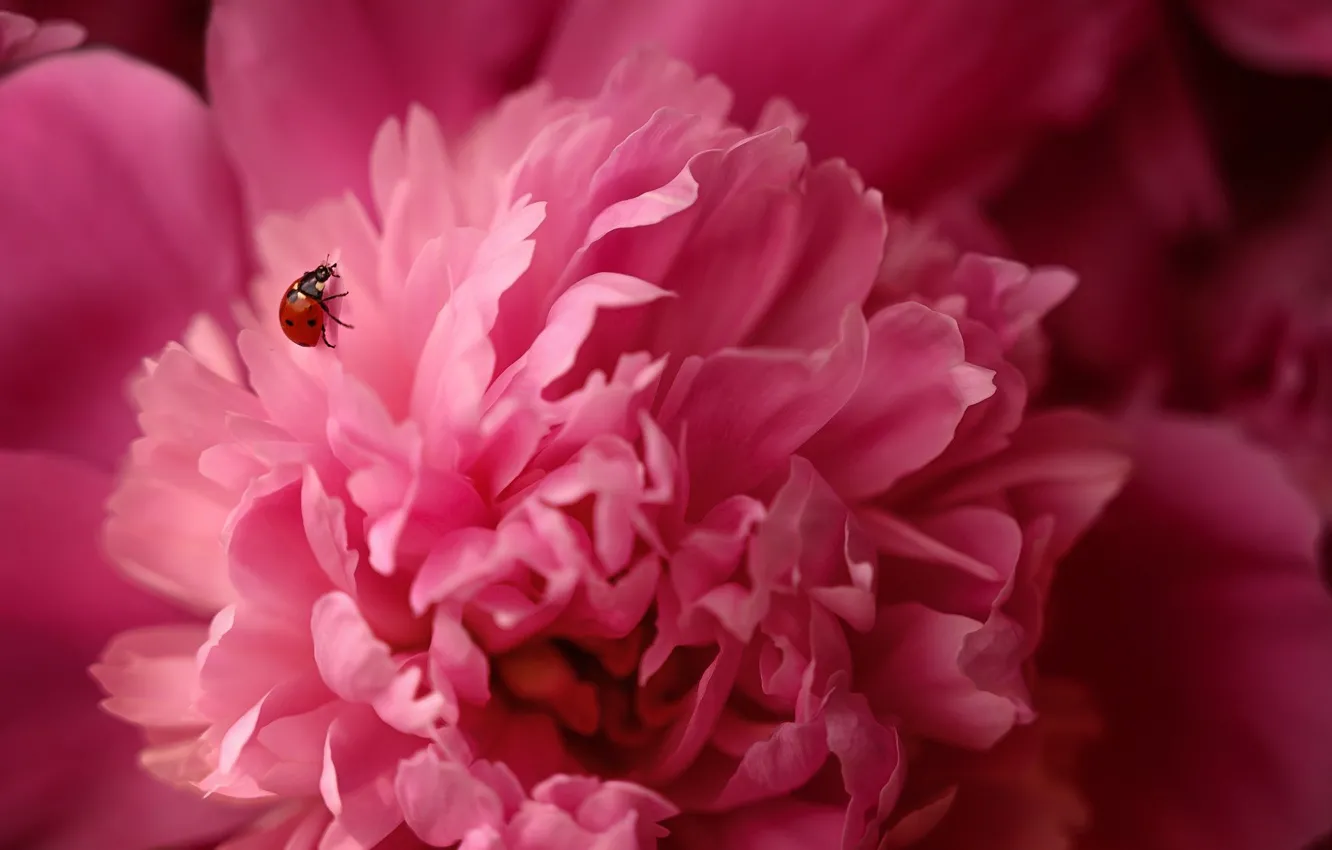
591, 688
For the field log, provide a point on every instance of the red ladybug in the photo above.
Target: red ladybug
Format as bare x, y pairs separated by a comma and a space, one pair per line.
304, 306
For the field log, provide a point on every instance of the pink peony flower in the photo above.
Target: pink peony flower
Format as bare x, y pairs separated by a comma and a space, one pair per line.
941, 512
661, 486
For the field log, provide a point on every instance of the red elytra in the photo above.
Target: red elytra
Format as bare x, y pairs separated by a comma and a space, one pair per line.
304, 307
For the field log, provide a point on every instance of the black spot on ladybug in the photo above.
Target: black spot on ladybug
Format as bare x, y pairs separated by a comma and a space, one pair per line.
290, 322
311, 323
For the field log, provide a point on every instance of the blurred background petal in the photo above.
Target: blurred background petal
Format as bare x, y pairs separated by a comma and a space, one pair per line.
311, 81
121, 220
72, 779
1196, 614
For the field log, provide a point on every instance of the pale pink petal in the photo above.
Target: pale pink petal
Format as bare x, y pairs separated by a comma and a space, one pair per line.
360, 761
185, 478
271, 564
284, 75
571, 318
358, 667
91, 308
1196, 614
443, 801
569, 812
150, 675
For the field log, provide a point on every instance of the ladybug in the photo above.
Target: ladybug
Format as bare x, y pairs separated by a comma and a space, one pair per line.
304, 306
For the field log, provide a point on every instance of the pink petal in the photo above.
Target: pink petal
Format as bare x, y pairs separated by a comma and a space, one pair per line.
151, 675
360, 761
770, 768
442, 801
917, 674
354, 68
1051, 66
571, 317
748, 194
59, 603
1196, 613
358, 667
788, 397
458, 358
841, 245
1065, 464
54, 576
458, 667
90, 309
167, 517
1286, 35
354, 663
895, 425
22, 38
872, 762
252, 652
272, 565
687, 738
808, 248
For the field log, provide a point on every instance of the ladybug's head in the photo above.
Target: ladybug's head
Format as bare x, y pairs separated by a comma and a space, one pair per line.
325, 271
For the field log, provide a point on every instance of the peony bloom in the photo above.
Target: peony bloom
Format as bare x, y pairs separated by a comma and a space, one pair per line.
662, 490
472, 573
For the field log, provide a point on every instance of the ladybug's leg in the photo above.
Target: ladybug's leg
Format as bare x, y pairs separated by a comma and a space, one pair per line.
324, 333
329, 312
